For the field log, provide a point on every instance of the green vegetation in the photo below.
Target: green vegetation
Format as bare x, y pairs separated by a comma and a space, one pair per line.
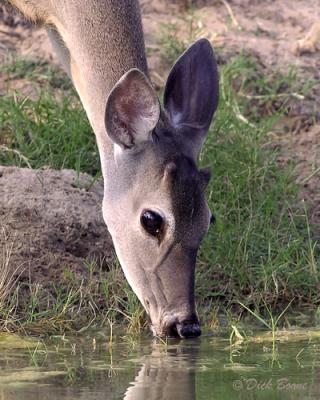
261, 250
77, 304
48, 129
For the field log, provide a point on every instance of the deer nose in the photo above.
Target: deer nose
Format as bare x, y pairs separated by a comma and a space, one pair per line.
188, 329
184, 329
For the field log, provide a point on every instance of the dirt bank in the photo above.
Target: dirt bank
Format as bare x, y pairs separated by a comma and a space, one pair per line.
51, 221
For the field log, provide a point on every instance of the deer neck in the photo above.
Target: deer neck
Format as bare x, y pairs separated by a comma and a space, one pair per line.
102, 44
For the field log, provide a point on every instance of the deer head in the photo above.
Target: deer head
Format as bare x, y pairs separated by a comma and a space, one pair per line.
154, 201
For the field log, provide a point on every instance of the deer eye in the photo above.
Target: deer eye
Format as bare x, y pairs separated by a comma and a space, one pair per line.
152, 222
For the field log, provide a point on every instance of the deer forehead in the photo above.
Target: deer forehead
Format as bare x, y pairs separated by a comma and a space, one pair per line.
175, 188
160, 177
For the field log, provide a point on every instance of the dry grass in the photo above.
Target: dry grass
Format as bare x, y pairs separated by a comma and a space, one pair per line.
8, 276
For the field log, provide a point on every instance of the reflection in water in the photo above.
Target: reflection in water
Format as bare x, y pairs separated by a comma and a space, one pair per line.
201, 369
161, 372
166, 374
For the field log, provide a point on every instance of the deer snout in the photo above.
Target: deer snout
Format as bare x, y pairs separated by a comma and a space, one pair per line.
188, 329
184, 329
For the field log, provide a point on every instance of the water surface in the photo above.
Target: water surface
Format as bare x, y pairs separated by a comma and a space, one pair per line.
88, 367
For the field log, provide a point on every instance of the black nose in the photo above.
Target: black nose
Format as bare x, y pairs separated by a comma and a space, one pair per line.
185, 329
188, 330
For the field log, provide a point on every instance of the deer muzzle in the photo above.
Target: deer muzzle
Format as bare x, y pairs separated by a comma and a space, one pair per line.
183, 329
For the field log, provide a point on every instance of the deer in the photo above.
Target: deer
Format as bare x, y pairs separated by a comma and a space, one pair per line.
154, 202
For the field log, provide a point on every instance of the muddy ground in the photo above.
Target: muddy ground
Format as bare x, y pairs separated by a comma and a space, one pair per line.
53, 223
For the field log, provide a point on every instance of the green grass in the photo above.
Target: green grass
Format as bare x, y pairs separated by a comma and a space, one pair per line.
261, 250
48, 130
77, 303
44, 74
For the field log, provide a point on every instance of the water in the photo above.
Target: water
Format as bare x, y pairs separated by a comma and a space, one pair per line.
89, 368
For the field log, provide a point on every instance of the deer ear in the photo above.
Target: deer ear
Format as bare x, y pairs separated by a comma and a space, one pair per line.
192, 91
132, 110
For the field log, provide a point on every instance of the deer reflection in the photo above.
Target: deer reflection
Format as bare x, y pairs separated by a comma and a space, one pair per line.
166, 373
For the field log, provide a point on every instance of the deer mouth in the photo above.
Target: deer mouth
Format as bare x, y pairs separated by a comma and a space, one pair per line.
183, 330
188, 330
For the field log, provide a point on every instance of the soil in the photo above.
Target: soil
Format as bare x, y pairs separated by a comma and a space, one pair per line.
51, 221
54, 223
